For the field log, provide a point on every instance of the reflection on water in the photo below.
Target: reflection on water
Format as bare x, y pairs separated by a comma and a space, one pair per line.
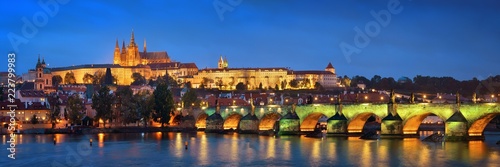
160, 149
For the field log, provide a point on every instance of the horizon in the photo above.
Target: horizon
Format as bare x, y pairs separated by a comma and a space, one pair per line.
438, 39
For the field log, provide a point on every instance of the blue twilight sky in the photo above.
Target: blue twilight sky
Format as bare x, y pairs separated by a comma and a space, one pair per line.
423, 37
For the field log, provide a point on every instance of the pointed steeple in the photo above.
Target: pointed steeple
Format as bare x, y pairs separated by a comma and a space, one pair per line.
117, 46
123, 47
132, 40
38, 64
43, 60
145, 45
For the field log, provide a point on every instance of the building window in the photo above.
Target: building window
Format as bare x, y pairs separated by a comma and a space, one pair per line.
40, 86
39, 75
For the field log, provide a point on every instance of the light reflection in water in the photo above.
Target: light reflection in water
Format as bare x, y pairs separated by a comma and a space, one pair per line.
100, 138
234, 148
316, 149
203, 153
271, 148
241, 150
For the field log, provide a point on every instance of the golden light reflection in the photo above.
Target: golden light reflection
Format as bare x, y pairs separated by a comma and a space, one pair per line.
203, 153
100, 138
477, 150
158, 135
179, 145
366, 154
316, 150
234, 149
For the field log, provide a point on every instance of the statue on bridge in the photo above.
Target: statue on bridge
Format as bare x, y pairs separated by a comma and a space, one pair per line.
412, 98
393, 97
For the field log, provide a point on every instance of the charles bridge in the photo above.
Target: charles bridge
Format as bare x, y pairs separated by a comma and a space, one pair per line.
461, 121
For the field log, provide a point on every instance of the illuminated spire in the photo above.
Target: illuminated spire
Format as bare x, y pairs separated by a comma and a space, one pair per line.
144, 45
132, 40
123, 47
116, 46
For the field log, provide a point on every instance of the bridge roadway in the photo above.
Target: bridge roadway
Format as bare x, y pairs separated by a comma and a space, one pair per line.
462, 121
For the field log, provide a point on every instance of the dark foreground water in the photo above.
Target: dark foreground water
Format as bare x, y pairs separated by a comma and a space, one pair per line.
167, 149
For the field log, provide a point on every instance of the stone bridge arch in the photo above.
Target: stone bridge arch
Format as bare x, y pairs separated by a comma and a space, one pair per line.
358, 114
232, 121
268, 121
413, 114
478, 116
310, 121
201, 121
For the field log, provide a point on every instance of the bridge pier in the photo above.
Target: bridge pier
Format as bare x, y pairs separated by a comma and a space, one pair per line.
289, 124
249, 124
337, 125
456, 128
391, 127
215, 124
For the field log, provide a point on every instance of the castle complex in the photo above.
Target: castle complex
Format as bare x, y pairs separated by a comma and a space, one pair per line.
129, 60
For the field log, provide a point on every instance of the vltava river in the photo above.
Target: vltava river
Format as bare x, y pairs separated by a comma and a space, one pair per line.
168, 149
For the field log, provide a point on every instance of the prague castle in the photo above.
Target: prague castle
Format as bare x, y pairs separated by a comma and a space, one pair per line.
129, 60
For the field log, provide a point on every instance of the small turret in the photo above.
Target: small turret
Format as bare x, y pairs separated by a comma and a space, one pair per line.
330, 68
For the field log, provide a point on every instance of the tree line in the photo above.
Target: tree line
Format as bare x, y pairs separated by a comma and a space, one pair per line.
427, 84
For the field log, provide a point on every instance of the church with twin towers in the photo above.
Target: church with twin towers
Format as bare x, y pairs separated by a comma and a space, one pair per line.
129, 59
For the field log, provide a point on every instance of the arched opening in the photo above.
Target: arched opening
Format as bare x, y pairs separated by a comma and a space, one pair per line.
426, 123
232, 121
175, 120
201, 121
268, 121
364, 121
487, 122
313, 121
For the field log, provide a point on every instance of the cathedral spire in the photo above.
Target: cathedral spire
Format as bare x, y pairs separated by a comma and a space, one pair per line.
123, 47
117, 46
145, 45
43, 60
132, 40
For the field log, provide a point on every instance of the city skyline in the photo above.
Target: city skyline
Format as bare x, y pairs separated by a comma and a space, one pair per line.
420, 38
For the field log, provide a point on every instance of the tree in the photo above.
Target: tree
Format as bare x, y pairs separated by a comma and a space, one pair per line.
55, 109
87, 78
260, 86
34, 119
220, 83
241, 86
56, 80
163, 103
276, 87
202, 86
144, 105
69, 78
190, 98
75, 107
126, 106
318, 86
283, 85
98, 77
375, 80
205, 81
294, 83
101, 102
346, 81
358, 80
138, 79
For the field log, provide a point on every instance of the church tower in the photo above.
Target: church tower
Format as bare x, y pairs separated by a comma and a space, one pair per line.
117, 57
330, 68
39, 81
132, 57
222, 63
